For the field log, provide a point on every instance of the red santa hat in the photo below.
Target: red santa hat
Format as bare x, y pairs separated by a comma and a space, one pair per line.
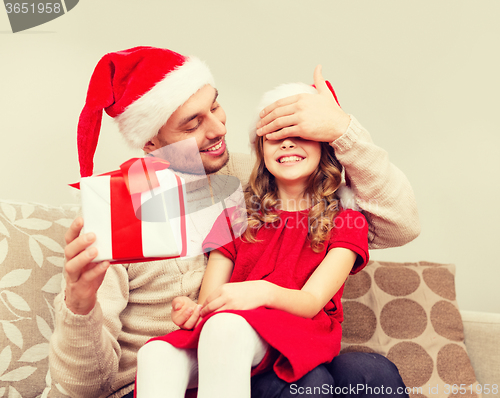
283, 91
140, 88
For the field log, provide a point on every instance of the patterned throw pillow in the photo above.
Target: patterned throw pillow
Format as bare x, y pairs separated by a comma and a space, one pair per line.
31, 261
408, 312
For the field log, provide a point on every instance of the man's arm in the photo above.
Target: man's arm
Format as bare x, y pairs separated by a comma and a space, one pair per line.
84, 352
382, 190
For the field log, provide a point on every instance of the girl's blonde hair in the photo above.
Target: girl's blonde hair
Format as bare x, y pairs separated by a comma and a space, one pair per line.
261, 196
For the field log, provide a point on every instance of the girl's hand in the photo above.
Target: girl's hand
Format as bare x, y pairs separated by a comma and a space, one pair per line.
315, 117
237, 296
185, 312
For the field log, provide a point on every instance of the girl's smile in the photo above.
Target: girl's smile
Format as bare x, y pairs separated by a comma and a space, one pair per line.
291, 160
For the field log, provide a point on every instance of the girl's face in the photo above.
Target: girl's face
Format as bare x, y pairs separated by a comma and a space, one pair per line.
291, 160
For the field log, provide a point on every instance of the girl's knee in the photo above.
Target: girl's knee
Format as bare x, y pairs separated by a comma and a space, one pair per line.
155, 348
226, 321
226, 328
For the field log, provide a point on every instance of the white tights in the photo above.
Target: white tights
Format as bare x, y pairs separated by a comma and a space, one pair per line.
228, 348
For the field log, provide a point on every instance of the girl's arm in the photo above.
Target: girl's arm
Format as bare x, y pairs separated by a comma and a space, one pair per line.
321, 286
185, 312
218, 272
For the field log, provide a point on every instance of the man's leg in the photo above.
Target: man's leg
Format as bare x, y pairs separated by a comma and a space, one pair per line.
318, 382
348, 375
228, 348
360, 374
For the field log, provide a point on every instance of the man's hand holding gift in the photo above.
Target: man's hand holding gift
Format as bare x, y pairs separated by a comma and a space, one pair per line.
83, 277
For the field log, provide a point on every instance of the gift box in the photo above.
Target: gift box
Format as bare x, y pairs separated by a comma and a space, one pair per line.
137, 212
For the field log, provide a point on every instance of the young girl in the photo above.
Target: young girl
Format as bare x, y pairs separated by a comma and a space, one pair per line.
270, 298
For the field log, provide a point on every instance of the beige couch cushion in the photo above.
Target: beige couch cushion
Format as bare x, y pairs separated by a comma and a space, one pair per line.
482, 331
408, 312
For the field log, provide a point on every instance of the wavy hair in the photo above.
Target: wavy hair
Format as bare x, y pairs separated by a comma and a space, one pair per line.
261, 196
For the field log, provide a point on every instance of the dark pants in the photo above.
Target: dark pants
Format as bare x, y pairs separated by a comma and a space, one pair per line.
355, 374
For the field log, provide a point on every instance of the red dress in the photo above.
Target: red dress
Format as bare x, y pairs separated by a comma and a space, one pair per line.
284, 257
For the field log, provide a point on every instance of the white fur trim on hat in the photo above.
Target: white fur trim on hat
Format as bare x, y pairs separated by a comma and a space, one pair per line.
347, 198
142, 119
282, 91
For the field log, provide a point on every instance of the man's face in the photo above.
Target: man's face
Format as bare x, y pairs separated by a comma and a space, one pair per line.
202, 118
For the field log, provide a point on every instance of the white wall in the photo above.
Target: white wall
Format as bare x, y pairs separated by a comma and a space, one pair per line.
421, 76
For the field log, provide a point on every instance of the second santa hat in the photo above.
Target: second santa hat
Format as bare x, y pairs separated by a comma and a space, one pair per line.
140, 88
280, 92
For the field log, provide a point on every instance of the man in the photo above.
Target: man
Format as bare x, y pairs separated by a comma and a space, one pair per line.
107, 312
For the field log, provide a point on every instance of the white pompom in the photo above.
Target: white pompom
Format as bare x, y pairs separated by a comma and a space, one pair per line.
347, 198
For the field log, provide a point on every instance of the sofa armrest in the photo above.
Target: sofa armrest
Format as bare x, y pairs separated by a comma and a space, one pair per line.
482, 339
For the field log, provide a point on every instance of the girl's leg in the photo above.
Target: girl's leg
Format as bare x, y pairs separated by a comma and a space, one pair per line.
165, 371
228, 348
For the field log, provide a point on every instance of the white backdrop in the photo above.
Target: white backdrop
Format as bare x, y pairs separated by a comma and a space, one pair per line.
422, 77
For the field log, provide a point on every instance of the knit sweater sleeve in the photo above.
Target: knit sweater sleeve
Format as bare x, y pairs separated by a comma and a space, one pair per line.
382, 191
84, 351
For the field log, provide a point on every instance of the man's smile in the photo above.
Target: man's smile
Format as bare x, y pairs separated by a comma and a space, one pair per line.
216, 149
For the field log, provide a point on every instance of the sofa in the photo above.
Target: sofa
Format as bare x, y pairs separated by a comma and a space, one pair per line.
406, 311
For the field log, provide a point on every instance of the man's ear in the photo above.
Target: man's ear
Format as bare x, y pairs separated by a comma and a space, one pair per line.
151, 145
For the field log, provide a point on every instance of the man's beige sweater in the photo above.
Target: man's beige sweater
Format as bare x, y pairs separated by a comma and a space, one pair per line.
95, 355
